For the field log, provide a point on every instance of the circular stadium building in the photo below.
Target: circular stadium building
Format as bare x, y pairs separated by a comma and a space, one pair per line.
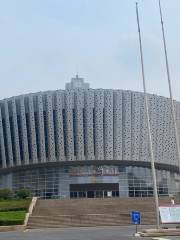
87, 143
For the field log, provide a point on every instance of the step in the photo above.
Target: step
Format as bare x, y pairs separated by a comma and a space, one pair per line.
92, 212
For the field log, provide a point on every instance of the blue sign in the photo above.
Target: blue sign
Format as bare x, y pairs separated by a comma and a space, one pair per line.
136, 217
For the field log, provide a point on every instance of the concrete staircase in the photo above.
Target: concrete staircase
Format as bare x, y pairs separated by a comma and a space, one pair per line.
91, 212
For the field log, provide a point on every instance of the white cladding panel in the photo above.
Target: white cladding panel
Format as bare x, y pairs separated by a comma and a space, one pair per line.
79, 127
108, 124
135, 125
9, 162
144, 140
89, 124
153, 121
99, 124
59, 104
32, 136
160, 127
86, 124
3, 156
69, 125
40, 127
117, 116
24, 131
126, 135
50, 127
15, 132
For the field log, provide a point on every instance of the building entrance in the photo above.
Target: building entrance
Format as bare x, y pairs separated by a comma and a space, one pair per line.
94, 190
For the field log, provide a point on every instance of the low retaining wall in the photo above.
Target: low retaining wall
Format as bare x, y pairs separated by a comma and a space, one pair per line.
30, 210
12, 228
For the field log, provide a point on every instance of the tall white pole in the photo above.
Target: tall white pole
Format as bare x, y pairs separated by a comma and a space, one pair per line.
170, 88
148, 124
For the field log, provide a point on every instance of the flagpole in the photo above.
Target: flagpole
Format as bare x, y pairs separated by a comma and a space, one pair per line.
170, 88
148, 124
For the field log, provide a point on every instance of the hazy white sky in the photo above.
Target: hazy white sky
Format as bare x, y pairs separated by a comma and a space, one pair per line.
43, 43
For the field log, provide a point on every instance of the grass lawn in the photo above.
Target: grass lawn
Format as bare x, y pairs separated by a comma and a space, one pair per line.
12, 212
10, 205
13, 215
12, 218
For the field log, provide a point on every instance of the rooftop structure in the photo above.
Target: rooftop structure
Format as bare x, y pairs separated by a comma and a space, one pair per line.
77, 82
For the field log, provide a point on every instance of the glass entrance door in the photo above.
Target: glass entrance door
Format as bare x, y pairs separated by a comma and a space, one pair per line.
95, 190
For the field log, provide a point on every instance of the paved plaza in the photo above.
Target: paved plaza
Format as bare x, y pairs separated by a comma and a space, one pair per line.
94, 233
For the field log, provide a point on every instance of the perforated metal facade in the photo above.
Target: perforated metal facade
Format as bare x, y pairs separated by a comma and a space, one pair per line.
85, 125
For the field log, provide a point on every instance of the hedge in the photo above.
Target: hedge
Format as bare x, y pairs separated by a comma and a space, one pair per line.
11, 222
12, 209
6, 193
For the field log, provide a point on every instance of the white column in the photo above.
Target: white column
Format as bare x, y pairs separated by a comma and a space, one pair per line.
89, 124
177, 110
50, 127
153, 120
40, 117
79, 129
59, 104
69, 104
172, 139
16, 133
126, 125
160, 128
8, 135
144, 142
32, 129
108, 124
135, 125
99, 135
24, 131
118, 125
3, 155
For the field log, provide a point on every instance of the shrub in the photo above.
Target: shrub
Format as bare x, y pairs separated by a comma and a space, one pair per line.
23, 193
11, 222
5, 193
